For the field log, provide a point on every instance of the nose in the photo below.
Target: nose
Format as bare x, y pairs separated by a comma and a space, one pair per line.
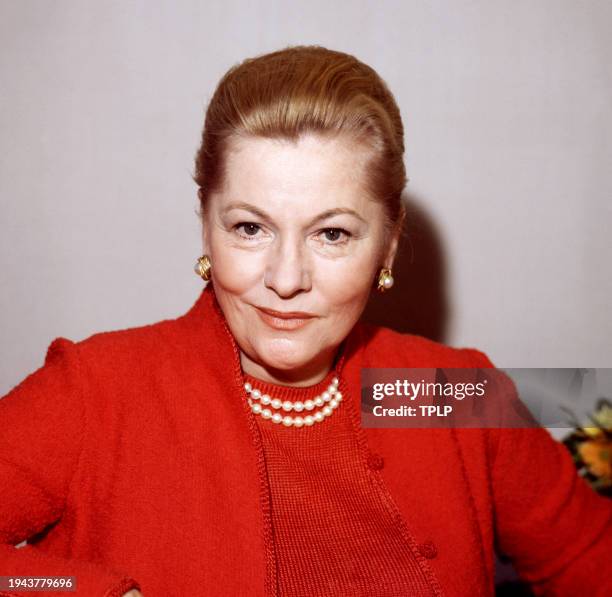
287, 268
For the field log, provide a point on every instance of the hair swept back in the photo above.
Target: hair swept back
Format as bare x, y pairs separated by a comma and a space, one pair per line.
302, 89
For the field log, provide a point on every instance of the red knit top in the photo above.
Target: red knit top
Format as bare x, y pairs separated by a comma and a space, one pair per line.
324, 505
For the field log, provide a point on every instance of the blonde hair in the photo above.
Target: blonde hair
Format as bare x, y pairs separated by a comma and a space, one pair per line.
306, 89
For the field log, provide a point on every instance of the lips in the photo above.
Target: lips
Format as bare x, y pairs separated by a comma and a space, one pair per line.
287, 314
284, 320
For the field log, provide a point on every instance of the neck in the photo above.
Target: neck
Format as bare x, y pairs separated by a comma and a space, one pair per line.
308, 375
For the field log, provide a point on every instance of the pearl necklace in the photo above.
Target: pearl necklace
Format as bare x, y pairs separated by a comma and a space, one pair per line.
329, 400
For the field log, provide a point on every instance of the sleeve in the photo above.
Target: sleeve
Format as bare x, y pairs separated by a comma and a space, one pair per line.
553, 526
43, 424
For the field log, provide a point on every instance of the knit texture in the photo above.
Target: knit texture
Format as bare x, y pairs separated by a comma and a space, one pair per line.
333, 533
132, 459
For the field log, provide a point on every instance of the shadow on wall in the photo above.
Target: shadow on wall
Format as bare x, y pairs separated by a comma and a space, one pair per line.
418, 301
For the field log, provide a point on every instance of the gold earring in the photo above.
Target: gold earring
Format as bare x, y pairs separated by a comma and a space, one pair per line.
202, 267
385, 279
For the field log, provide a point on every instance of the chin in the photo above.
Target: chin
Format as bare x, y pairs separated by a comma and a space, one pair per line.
284, 354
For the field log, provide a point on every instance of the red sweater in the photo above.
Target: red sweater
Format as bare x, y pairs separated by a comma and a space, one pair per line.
132, 459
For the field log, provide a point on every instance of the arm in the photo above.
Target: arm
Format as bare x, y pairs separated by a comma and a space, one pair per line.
554, 527
42, 421
548, 520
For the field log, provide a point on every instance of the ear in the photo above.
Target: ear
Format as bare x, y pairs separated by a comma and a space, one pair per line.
205, 250
389, 256
204, 232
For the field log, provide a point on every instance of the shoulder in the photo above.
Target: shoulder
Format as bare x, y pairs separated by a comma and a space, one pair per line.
169, 346
385, 347
131, 347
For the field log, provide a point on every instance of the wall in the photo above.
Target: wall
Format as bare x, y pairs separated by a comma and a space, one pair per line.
507, 112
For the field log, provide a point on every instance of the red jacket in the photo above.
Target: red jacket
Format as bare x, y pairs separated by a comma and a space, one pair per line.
133, 459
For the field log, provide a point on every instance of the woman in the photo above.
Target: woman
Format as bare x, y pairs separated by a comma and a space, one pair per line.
221, 452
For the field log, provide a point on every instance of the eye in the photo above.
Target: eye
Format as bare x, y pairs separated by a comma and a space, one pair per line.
250, 229
333, 235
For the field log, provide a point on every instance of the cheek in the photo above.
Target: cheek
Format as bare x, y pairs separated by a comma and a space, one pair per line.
236, 271
346, 289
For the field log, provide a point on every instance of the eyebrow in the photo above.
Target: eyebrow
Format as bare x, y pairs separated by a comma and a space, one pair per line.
322, 216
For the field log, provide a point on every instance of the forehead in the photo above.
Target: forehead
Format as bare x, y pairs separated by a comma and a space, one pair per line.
312, 174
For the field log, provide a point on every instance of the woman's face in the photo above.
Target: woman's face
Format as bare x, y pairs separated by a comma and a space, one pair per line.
293, 232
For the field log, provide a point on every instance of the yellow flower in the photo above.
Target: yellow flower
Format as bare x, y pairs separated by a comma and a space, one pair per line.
593, 432
596, 454
603, 416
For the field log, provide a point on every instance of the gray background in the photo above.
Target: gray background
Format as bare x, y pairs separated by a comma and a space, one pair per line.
508, 121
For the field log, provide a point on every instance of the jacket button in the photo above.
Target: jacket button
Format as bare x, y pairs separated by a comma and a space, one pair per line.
428, 550
376, 462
